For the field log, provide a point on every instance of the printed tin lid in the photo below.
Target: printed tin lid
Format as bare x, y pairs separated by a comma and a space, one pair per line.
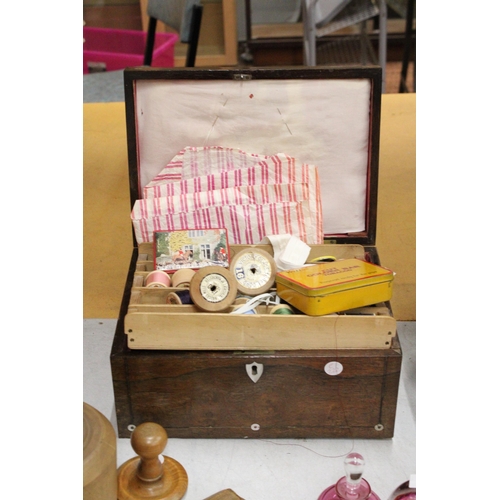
330, 277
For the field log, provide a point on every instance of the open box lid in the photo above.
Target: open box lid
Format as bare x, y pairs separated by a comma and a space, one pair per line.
328, 117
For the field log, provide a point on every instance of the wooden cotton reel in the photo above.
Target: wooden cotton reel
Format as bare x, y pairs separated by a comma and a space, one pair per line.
254, 270
182, 278
145, 476
158, 279
179, 298
213, 289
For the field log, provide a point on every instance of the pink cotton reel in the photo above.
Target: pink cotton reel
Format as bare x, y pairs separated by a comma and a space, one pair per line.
158, 279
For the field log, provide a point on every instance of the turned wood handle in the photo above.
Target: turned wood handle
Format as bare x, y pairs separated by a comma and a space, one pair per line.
151, 475
149, 440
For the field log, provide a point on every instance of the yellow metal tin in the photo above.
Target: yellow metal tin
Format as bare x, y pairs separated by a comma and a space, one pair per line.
335, 286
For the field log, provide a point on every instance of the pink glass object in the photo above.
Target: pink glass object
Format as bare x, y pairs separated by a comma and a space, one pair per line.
352, 486
404, 492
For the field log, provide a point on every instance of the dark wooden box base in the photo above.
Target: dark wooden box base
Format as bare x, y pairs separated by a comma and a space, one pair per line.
208, 394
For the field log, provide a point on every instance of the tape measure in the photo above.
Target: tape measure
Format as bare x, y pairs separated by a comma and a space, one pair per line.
254, 270
213, 289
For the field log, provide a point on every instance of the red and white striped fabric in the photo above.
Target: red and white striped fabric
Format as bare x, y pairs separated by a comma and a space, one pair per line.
260, 194
245, 224
171, 172
199, 161
251, 200
263, 173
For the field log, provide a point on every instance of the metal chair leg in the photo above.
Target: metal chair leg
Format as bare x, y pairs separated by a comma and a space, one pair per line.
403, 87
194, 35
150, 41
382, 48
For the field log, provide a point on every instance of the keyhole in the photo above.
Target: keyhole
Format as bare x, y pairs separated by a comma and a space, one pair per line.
254, 371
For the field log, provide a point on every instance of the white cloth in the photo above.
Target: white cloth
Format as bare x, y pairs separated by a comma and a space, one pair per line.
289, 251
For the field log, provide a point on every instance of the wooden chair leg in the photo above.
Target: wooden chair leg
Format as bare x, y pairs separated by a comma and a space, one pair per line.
150, 42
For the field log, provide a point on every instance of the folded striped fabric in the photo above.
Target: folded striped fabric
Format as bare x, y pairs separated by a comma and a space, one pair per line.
260, 194
245, 224
275, 172
198, 161
250, 195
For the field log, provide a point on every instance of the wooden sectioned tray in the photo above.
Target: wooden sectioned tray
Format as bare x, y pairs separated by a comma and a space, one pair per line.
151, 323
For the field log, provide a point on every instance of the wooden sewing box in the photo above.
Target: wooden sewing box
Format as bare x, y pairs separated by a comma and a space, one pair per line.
214, 375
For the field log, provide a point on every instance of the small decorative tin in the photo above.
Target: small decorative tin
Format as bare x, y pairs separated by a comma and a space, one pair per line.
332, 287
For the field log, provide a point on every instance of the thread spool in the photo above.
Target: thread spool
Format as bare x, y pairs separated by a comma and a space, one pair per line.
250, 311
213, 289
241, 299
251, 303
180, 297
282, 309
157, 279
254, 270
182, 278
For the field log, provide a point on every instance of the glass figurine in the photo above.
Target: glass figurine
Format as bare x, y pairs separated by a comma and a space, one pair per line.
352, 486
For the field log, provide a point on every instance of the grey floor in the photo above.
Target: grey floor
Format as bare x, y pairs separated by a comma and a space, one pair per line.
103, 87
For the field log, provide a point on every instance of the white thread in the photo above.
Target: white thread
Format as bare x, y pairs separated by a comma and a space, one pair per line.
267, 298
309, 449
283, 120
214, 122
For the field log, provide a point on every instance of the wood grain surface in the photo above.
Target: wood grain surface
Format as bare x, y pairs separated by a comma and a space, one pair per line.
209, 394
99, 456
146, 476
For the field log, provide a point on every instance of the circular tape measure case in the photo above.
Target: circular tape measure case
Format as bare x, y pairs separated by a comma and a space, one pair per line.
213, 289
254, 271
